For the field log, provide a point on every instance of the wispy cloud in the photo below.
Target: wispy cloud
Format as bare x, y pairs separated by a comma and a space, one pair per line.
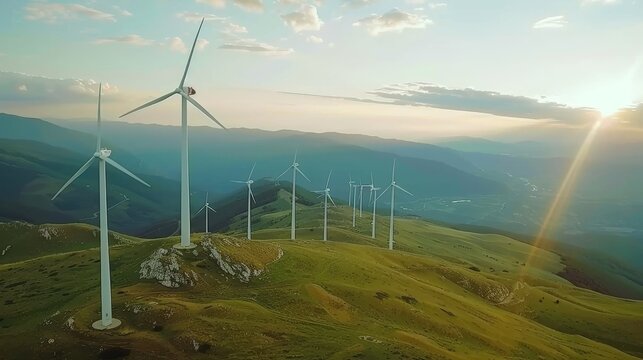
599, 2
304, 19
214, 3
201, 44
551, 22
479, 101
54, 12
132, 39
192, 16
19, 87
250, 5
392, 21
254, 46
176, 44
314, 39
358, 3
491, 102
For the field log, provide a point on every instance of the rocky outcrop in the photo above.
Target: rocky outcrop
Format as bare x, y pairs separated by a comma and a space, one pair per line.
240, 271
165, 266
48, 232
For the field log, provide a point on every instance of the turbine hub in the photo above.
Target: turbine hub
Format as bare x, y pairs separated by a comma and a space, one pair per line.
295, 164
103, 153
250, 181
189, 91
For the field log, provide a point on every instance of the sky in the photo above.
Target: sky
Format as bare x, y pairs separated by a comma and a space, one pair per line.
410, 69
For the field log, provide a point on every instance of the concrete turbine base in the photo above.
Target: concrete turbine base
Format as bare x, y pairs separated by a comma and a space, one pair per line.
181, 247
98, 325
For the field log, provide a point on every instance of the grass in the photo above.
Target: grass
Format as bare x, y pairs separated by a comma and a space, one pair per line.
347, 298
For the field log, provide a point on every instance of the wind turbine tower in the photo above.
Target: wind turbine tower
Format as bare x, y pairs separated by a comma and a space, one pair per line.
102, 156
185, 92
295, 169
392, 186
207, 209
249, 183
326, 194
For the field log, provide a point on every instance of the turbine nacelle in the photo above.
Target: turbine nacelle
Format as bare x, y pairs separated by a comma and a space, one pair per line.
187, 90
103, 154
250, 182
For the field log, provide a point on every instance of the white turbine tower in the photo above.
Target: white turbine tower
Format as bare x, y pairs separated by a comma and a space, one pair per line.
374, 191
102, 155
392, 186
354, 201
207, 209
295, 169
249, 183
361, 191
185, 92
326, 194
350, 189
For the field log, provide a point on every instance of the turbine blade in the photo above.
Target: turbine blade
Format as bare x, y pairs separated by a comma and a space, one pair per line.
198, 212
302, 174
127, 172
251, 171
206, 197
76, 175
99, 130
251, 194
328, 181
238, 181
211, 209
283, 173
187, 66
203, 110
155, 101
331, 199
393, 175
295, 159
382, 193
399, 187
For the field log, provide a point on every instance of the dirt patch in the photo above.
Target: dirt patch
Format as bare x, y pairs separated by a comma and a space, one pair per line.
381, 295
408, 299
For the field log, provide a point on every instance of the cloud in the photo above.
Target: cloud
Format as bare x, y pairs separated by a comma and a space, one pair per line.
176, 44
478, 101
304, 19
214, 3
358, 3
394, 20
252, 45
122, 11
132, 39
314, 39
53, 12
232, 28
631, 116
192, 16
437, 5
20, 88
599, 2
201, 44
250, 5
490, 102
551, 22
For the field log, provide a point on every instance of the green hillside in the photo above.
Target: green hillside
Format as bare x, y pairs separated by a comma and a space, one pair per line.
443, 293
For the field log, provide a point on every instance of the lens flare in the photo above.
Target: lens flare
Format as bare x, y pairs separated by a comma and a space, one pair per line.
561, 200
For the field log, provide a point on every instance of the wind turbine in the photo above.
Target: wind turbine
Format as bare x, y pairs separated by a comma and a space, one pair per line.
326, 194
249, 183
102, 156
185, 92
361, 190
354, 201
392, 186
350, 189
207, 209
374, 191
295, 169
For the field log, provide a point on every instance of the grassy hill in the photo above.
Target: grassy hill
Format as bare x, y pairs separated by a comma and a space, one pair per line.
443, 293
